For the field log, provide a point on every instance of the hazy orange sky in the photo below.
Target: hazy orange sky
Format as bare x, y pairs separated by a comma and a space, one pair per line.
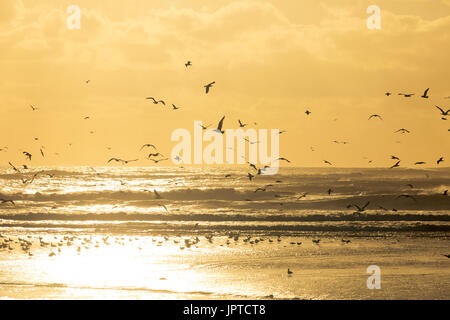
271, 61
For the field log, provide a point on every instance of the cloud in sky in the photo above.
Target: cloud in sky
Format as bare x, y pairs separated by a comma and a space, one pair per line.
264, 59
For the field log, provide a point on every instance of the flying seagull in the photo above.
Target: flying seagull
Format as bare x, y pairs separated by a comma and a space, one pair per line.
308, 112
327, 162
6, 201
360, 209
33, 107
397, 164
419, 162
425, 94
14, 168
174, 107
155, 155
388, 94
302, 196
155, 101
402, 130
375, 116
148, 145
28, 155
444, 113
219, 126
157, 195
242, 125
122, 161
204, 127
284, 159
441, 159
188, 64
158, 160
208, 86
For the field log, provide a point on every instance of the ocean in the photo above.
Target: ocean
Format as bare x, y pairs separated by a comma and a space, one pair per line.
209, 232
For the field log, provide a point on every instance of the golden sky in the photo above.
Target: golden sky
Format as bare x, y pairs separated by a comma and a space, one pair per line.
271, 61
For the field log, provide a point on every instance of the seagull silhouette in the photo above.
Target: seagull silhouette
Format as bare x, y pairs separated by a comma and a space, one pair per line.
242, 125
375, 116
158, 160
188, 64
204, 127
402, 130
219, 126
425, 94
28, 155
397, 164
122, 161
155, 101
208, 86
155, 155
157, 195
174, 107
327, 162
6, 201
360, 209
13, 167
302, 196
148, 145
441, 159
444, 113
33, 107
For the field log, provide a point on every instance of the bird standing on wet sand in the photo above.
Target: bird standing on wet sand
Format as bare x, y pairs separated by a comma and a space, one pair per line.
289, 271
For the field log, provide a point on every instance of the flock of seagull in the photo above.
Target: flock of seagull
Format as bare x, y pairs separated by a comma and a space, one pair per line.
157, 157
